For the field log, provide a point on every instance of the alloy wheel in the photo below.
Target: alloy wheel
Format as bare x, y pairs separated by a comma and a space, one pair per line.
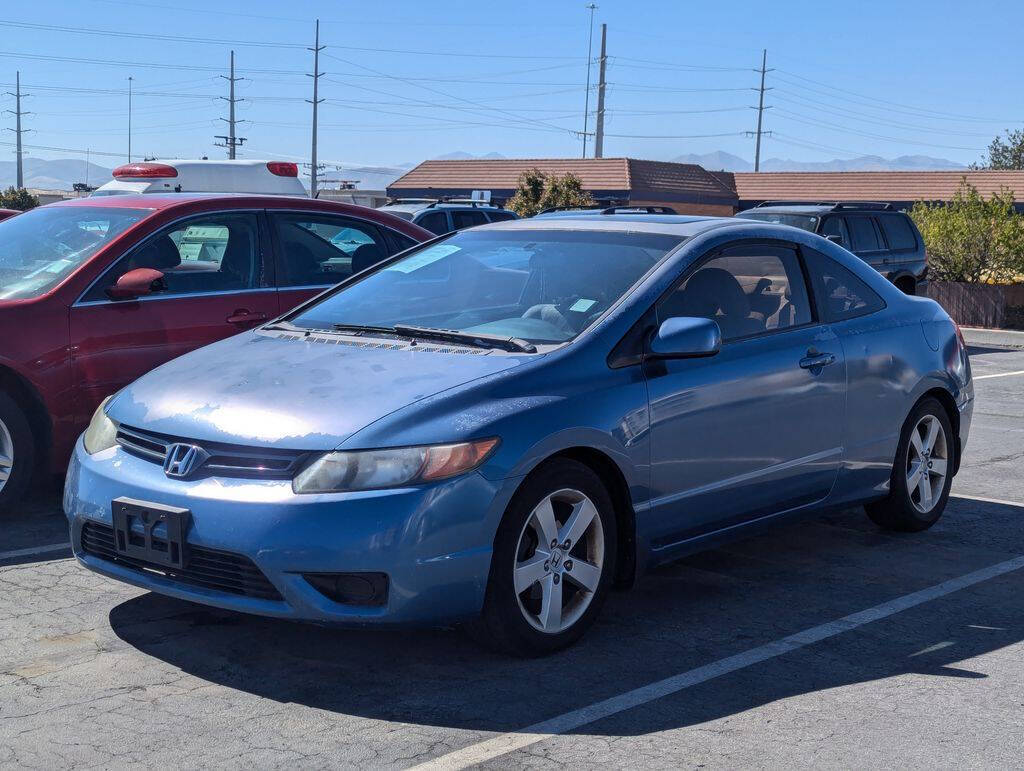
927, 463
6, 454
559, 561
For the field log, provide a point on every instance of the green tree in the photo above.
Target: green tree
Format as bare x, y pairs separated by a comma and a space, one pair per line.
18, 198
1006, 154
971, 239
536, 191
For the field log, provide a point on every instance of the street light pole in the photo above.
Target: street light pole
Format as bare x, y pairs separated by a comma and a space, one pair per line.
586, 99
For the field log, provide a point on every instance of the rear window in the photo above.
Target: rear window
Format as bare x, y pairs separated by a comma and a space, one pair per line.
898, 231
802, 221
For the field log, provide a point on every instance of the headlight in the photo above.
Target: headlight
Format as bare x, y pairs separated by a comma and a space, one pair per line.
102, 431
337, 472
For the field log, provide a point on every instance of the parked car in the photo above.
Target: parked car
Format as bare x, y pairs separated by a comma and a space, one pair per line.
5, 213
498, 426
886, 239
204, 176
96, 291
576, 211
440, 217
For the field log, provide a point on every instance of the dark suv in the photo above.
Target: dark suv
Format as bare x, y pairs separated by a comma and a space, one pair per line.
884, 238
442, 217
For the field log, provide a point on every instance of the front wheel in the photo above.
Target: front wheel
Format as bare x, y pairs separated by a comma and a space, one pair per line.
553, 562
922, 473
17, 452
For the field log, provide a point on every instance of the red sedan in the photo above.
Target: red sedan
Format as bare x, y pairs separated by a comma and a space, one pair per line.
5, 213
94, 292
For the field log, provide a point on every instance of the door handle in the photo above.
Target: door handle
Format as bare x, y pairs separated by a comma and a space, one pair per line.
817, 360
243, 316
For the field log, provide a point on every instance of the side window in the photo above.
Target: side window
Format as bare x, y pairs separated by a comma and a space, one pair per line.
218, 253
500, 216
748, 290
898, 231
840, 294
835, 226
399, 241
467, 218
863, 234
436, 222
321, 249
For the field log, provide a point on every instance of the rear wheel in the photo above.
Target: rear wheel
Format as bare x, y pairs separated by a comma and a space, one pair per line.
922, 473
17, 452
553, 562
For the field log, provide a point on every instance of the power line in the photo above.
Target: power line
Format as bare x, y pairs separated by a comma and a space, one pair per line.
796, 117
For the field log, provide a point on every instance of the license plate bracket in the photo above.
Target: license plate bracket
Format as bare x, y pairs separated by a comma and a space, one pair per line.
135, 531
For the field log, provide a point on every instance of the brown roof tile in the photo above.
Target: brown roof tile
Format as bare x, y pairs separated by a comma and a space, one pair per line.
870, 185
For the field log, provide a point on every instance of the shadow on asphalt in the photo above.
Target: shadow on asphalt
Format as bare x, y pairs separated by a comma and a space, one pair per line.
978, 350
682, 616
37, 522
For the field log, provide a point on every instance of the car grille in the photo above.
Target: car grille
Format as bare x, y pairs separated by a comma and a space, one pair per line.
208, 568
224, 460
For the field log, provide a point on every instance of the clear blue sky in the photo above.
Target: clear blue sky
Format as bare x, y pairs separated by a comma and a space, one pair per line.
886, 78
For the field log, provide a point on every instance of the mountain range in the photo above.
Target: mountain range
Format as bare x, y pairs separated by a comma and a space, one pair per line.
62, 174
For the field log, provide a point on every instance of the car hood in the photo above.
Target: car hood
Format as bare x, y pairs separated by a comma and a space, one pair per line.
302, 394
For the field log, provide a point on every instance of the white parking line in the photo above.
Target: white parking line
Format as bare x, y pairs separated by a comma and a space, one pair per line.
9, 555
983, 499
510, 742
1000, 374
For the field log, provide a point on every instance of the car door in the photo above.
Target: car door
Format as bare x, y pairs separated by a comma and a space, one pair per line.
214, 285
315, 251
867, 241
436, 222
755, 429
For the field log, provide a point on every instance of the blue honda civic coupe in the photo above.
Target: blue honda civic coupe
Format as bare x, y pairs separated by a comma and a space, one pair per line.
499, 426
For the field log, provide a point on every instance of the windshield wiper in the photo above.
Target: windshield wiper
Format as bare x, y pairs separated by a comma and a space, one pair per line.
357, 328
468, 338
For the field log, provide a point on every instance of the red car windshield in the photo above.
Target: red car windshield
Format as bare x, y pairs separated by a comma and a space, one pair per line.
41, 247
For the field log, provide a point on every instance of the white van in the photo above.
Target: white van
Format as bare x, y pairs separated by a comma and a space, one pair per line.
258, 177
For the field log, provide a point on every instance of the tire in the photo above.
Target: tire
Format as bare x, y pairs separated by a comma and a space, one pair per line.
514, 622
17, 443
910, 507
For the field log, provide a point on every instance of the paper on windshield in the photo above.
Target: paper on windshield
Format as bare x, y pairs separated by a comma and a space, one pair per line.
421, 259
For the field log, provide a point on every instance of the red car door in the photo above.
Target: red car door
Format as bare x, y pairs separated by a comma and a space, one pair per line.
317, 250
216, 283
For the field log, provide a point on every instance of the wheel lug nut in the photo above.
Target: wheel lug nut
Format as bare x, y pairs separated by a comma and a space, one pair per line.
567, 564
547, 565
554, 543
567, 544
557, 578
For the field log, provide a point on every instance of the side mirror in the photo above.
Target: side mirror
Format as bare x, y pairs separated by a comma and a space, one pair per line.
136, 283
834, 238
686, 338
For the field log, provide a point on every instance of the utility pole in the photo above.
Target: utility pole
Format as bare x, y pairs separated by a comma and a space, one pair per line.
231, 141
130, 118
586, 99
18, 130
599, 131
760, 110
316, 49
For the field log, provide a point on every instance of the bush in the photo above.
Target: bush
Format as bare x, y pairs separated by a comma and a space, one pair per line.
970, 239
536, 191
18, 198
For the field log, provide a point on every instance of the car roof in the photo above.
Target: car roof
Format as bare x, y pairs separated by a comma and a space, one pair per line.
169, 200
670, 224
424, 205
791, 209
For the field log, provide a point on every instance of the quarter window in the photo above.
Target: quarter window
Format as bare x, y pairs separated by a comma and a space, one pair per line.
840, 294
863, 234
898, 231
208, 254
318, 250
748, 290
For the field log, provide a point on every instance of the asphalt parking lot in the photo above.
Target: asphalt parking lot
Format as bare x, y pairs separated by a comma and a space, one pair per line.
825, 643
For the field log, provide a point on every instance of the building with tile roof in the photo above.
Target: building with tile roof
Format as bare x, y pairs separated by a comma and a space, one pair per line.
687, 188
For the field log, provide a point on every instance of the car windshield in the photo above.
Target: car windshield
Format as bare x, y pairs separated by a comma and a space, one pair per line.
802, 221
39, 248
541, 286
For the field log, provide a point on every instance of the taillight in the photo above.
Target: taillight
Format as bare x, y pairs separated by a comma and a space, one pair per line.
282, 169
145, 170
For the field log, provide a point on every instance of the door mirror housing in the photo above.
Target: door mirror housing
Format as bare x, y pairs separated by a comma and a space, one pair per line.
686, 337
834, 238
136, 283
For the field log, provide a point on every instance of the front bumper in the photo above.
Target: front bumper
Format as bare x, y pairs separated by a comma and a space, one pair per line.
433, 542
